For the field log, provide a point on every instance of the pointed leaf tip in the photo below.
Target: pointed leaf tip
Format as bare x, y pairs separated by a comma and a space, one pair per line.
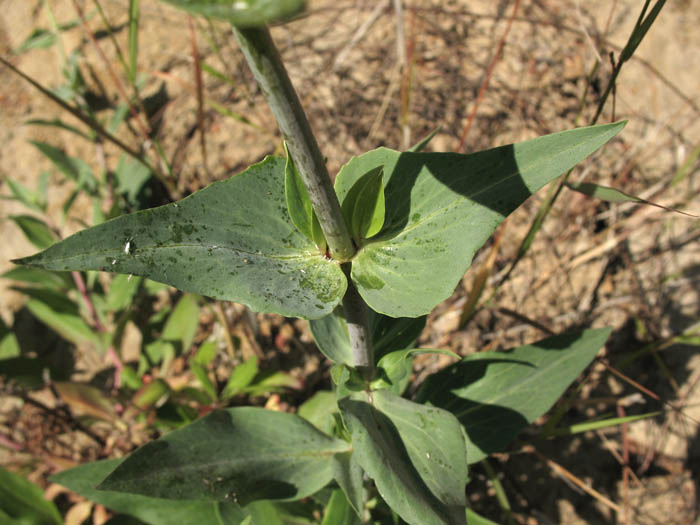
230, 241
442, 207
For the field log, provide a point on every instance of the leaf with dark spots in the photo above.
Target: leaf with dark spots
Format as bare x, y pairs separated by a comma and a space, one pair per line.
228, 241
442, 207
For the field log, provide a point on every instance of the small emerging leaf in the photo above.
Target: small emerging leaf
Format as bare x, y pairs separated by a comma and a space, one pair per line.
363, 207
61, 314
57, 123
319, 409
475, 519
39, 39
240, 378
152, 394
394, 369
299, 205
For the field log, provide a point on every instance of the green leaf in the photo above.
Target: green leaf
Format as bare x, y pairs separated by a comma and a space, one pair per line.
231, 241
203, 377
243, 13
155, 511
299, 205
26, 196
422, 144
241, 377
587, 426
9, 346
57, 123
339, 511
61, 314
39, 39
496, 394
348, 474
206, 353
272, 382
44, 278
132, 177
319, 409
133, 40
86, 399
415, 454
263, 513
394, 369
240, 454
475, 519
605, 193
74, 168
441, 208
182, 322
331, 336
363, 206
24, 502
151, 394
122, 291
388, 334
35, 230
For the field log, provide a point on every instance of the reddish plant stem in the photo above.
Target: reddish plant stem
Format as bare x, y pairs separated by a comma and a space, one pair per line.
118, 365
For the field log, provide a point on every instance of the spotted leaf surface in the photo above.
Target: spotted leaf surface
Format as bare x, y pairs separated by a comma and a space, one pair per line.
232, 240
442, 207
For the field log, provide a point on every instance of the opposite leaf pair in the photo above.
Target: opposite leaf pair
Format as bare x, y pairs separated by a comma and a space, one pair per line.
235, 240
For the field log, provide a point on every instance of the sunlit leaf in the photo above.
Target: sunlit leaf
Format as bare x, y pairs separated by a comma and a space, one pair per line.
231, 241
442, 207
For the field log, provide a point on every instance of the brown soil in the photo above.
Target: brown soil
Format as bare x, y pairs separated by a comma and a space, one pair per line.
594, 264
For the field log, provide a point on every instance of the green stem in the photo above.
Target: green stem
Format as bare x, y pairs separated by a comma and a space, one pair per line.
359, 333
266, 64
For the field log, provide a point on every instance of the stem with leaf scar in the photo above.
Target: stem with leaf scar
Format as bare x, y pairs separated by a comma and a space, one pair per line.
266, 64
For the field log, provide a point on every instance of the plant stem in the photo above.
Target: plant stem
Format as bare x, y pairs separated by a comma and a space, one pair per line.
266, 64
358, 328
